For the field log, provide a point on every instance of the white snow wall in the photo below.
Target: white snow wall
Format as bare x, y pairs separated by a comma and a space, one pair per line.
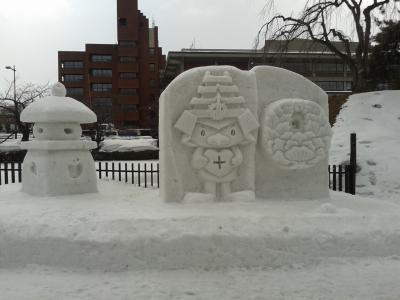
260, 87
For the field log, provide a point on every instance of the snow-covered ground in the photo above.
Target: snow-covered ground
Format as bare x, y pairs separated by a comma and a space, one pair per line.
124, 243
337, 279
111, 144
375, 117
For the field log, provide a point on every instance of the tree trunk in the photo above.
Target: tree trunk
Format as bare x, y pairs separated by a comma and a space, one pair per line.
25, 129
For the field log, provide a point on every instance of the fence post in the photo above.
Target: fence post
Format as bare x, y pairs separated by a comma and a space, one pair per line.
353, 162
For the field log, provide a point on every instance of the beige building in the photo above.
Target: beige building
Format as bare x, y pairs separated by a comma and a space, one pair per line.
305, 57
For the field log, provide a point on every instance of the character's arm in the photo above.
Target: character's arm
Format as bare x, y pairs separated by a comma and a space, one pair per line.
237, 159
198, 159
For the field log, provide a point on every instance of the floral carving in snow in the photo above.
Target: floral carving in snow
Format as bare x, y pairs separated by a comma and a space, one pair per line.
296, 133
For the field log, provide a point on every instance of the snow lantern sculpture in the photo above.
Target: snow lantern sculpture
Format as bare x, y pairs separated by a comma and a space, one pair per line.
216, 126
58, 162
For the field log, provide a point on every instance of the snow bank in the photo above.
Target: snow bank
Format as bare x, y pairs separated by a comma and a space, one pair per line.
127, 145
128, 228
10, 145
375, 117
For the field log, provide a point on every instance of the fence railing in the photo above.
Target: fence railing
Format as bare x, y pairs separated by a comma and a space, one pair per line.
141, 174
148, 174
341, 177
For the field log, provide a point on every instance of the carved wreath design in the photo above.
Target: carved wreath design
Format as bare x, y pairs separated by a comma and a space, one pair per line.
296, 133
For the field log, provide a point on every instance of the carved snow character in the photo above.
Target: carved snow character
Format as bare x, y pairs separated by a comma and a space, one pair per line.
216, 126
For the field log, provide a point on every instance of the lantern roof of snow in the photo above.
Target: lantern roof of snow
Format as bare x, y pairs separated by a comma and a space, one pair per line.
58, 108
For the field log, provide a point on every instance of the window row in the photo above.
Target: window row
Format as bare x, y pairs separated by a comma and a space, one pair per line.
72, 77
72, 64
334, 85
107, 87
101, 58
319, 67
74, 92
97, 73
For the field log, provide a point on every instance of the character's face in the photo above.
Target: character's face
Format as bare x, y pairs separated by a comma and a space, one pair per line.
213, 135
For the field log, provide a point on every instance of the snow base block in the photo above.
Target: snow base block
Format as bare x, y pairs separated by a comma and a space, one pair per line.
129, 228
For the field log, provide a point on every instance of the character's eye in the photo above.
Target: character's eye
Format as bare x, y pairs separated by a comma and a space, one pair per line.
233, 132
203, 132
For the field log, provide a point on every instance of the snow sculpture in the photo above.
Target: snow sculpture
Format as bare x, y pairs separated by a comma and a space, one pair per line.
296, 133
57, 162
216, 127
210, 144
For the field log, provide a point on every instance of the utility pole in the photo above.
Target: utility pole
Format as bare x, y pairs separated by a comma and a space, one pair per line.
15, 89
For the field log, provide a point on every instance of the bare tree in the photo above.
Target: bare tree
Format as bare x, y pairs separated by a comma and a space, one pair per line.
25, 95
324, 22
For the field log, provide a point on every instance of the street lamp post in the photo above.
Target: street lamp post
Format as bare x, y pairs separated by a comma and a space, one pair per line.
15, 87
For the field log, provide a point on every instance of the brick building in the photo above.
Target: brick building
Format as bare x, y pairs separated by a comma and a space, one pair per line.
120, 82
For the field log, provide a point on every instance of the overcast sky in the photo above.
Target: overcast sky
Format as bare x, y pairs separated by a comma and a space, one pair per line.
32, 31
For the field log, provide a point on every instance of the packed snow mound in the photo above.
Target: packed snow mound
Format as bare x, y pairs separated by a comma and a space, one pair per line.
127, 145
375, 117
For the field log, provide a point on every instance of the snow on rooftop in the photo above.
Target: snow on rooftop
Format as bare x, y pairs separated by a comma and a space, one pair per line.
375, 117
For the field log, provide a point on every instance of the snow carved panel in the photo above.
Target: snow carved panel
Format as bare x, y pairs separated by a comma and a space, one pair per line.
212, 146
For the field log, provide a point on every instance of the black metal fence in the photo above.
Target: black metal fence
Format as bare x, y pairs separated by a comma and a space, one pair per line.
341, 177
141, 174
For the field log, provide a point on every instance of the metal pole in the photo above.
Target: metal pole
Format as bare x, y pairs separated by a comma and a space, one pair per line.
353, 161
15, 95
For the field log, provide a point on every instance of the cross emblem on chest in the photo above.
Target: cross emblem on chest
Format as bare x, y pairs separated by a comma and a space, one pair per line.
219, 162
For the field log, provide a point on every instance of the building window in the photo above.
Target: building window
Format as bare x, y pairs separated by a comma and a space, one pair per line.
152, 83
127, 44
329, 67
152, 51
152, 67
76, 91
127, 59
101, 58
101, 87
298, 67
127, 75
122, 22
347, 85
129, 107
72, 77
76, 64
101, 72
103, 102
128, 91
334, 85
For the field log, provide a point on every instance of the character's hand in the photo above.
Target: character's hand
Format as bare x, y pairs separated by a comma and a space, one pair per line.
237, 160
199, 161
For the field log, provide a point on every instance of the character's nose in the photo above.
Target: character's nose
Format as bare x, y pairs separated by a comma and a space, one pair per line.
218, 140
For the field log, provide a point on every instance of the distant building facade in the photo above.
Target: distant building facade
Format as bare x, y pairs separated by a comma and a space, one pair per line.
7, 121
120, 82
305, 57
